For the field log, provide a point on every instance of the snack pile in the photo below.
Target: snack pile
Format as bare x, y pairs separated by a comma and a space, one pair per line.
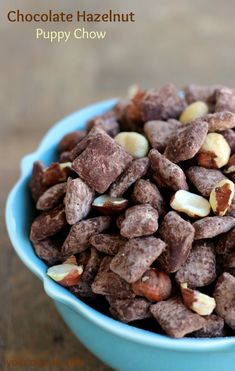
137, 218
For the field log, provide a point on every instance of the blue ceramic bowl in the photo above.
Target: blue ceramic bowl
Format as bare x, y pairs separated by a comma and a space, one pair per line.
120, 346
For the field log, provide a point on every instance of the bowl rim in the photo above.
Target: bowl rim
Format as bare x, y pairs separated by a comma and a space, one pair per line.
61, 294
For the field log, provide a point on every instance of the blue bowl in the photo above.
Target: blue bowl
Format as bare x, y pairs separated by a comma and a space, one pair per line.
120, 346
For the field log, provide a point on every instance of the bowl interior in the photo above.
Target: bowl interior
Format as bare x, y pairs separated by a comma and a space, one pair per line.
19, 215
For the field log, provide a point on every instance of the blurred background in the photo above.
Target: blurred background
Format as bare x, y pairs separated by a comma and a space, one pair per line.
171, 41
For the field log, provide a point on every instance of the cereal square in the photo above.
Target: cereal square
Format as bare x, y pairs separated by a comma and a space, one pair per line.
136, 256
101, 162
175, 318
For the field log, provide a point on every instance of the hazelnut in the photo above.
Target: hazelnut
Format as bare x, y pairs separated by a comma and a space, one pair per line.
108, 205
65, 274
154, 285
191, 204
221, 196
56, 173
65, 165
132, 90
214, 152
71, 260
196, 301
194, 111
134, 143
230, 167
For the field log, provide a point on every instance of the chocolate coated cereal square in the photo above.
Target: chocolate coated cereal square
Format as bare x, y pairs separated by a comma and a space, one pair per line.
78, 199
135, 171
214, 327
109, 283
129, 310
101, 162
170, 174
175, 318
200, 267
162, 104
140, 220
178, 235
212, 226
146, 192
80, 233
224, 295
136, 256
107, 243
160, 132
48, 223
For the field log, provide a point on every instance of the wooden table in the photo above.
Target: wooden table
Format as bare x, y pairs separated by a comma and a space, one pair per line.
41, 82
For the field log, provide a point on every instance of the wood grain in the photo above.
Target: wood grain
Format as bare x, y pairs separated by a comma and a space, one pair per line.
41, 82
